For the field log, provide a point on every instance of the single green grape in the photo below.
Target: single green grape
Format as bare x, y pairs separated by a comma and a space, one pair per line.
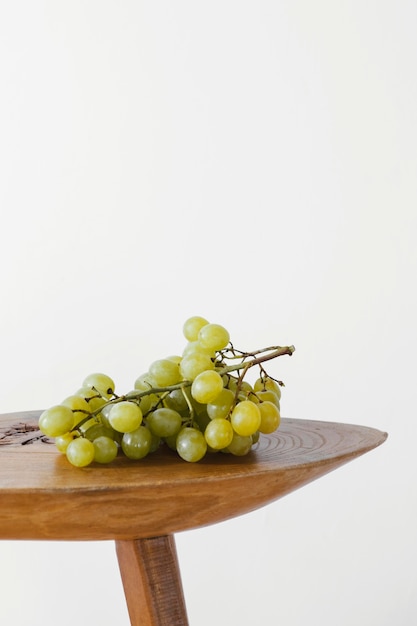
142, 385
176, 358
268, 396
125, 416
144, 382
155, 443
80, 452
221, 405
192, 327
214, 337
85, 427
201, 420
255, 437
218, 433
164, 422
93, 398
56, 421
266, 383
171, 442
98, 429
62, 441
101, 382
191, 444
137, 444
105, 412
177, 400
198, 408
194, 364
270, 417
246, 418
149, 402
195, 346
230, 382
246, 392
79, 406
206, 386
245, 389
240, 446
165, 372
105, 449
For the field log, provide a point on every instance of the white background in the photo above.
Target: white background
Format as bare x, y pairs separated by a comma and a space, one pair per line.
254, 163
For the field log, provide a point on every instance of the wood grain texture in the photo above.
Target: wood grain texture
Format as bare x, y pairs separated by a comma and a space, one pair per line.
152, 582
43, 497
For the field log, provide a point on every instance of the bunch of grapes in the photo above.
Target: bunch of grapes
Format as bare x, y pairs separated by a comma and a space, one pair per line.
196, 403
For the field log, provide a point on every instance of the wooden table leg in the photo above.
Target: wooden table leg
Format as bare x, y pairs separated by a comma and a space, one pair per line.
152, 581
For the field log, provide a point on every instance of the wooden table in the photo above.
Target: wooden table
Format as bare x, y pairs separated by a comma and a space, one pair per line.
141, 504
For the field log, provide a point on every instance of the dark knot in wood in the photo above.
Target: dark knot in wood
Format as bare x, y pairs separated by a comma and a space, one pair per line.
22, 434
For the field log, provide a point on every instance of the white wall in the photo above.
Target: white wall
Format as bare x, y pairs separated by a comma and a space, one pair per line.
252, 162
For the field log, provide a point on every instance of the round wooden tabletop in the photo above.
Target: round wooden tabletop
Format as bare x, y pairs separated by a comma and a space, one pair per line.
43, 497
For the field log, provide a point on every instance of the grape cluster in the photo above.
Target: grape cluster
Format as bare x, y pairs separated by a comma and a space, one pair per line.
196, 403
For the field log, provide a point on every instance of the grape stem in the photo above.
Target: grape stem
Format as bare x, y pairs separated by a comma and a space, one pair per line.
266, 354
274, 352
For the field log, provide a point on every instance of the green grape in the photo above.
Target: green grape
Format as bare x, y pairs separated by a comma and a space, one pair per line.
152, 401
267, 383
155, 443
177, 401
256, 437
191, 444
147, 402
219, 433
270, 417
101, 382
206, 386
102, 428
192, 327
171, 442
99, 429
245, 389
144, 382
268, 396
79, 406
105, 412
137, 444
192, 365
80, 452
94, 400
63, 441
105, 449
221, 405
214, 337
125, 416
56, 421
230, 382
195, 346
85, 427
176, 358
197, 407
239, 446
201, 420
164, 422
165, 372
246, 418
246, 392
